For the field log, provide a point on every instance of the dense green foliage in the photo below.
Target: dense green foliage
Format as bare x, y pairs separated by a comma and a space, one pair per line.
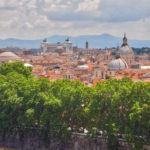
115, 107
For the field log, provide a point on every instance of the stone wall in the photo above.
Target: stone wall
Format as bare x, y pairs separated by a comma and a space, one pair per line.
34, 142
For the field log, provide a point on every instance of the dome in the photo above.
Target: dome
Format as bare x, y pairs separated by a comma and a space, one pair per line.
118, 64
83, 67
81, 61
8, 56
126, 50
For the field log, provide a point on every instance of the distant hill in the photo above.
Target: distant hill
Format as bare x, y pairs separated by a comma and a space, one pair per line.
95, 41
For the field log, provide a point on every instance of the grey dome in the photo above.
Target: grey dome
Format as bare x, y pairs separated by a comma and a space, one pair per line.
118, 64
9, 56
126, 50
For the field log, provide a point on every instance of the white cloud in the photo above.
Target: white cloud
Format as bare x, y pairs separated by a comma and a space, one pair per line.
41, 18
124, 10
88, 5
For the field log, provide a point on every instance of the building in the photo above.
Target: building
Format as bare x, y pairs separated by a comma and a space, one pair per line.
66, 46
62, 61
8, 57
126, 51
118, 64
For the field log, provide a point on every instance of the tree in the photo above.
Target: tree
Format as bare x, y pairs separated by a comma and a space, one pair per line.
15, 67
120, 108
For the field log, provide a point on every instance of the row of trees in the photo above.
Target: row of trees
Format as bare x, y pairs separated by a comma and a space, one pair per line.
115, 107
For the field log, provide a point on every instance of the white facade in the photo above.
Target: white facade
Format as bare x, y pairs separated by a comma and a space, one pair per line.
50, 47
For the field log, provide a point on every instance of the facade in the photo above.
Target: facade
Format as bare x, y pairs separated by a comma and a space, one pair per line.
58, 47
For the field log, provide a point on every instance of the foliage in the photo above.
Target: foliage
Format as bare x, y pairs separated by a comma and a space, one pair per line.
15, 67
118, 108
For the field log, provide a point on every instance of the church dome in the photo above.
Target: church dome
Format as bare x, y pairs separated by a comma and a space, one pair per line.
125, 48
118, 64
83, 67
9, 56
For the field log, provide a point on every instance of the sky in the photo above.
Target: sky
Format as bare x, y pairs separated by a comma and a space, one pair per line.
34, 19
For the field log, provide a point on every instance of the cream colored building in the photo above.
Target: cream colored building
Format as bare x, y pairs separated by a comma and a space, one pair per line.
9, 57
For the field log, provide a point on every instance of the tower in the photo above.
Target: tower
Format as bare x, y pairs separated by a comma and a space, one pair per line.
44, 45
86, 45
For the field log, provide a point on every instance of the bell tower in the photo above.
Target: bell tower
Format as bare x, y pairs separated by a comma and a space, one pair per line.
86, 44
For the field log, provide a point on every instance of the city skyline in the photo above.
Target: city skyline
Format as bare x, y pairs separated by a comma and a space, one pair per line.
34, 19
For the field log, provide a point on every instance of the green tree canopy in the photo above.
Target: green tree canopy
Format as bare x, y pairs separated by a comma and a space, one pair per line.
117, 107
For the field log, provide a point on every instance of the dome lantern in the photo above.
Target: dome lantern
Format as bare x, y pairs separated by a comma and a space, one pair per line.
125, 40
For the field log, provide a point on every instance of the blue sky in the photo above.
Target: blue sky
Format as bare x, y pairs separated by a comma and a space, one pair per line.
30, 19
